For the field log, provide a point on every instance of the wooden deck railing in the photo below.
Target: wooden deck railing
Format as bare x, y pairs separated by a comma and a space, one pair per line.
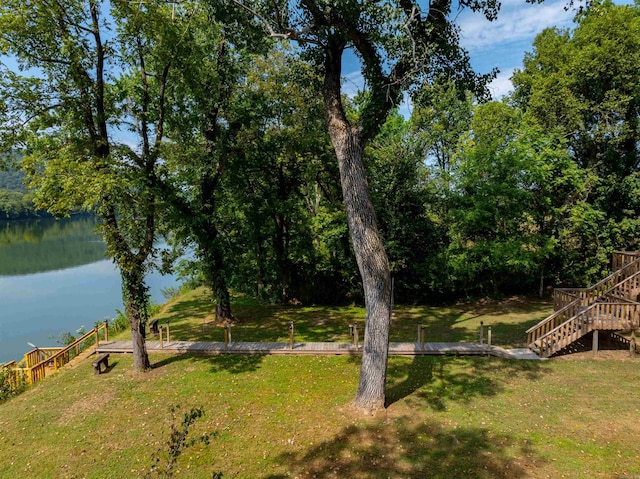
622, 258
572, 305
610, 316
553, 321
35, 363
628, 288
563, 296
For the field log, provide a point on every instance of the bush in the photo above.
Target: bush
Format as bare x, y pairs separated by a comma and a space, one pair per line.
11, 384
119, 323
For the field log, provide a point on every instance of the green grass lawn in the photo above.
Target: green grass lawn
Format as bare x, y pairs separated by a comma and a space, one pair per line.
288, 416
192, 319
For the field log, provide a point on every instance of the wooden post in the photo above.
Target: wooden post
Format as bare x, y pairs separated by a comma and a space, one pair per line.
291, 335
356, 338
97, 340
106, 330
595, 343
167, 323
632, 344
422, 337
160, 336
489, 336
481, 332
227, 335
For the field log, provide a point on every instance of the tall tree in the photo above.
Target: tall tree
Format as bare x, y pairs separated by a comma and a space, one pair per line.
514, 193
90, 69
279, 183
583, 84
203, 129
399, 44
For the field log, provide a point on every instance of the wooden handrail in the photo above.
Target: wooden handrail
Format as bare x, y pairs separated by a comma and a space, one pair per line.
553, 321
619, 274
564, 296
616, 288
630, 286
597, 316
621, 258
57, 356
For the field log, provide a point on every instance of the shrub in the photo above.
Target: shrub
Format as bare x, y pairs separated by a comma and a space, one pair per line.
11, 384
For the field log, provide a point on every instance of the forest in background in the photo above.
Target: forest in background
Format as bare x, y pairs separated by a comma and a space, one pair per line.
472, 198
15, 202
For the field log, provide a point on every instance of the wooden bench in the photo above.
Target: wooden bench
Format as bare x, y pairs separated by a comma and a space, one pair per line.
102, 360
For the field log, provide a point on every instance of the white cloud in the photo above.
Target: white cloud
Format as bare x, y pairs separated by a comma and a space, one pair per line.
501, 85
517, 21
352, 83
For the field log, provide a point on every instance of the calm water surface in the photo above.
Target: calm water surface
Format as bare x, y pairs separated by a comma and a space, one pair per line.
54, 278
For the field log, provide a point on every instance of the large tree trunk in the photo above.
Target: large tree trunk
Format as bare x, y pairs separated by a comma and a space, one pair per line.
215, 278
373, 266
135, 303
367, 244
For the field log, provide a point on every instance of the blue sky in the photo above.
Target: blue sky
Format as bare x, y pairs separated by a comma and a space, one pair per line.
499, 44
502, 43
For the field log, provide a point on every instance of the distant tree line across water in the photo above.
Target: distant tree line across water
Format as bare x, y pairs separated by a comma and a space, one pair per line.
46, 244
16, 203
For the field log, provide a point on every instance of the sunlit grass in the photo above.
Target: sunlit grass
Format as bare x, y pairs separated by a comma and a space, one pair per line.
288, 416
193, 319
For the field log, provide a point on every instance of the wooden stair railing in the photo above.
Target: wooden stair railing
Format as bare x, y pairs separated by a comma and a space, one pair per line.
35, 363
556, 319
601, 316
629, 288
622, 258
573, 305
563, 296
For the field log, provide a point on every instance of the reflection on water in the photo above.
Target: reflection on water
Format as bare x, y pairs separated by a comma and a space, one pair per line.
36, 246
54, 278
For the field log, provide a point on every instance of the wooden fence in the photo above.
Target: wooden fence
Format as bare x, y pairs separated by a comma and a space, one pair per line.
35, 364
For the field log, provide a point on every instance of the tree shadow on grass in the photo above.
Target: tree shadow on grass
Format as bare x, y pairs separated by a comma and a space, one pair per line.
112, 364
437, 379
236, 363
231, 363
404, 448
509, 320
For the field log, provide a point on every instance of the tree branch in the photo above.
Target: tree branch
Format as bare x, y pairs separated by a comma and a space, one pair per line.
289, 34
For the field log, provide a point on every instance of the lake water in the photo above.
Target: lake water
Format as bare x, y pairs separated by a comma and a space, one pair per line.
54, 278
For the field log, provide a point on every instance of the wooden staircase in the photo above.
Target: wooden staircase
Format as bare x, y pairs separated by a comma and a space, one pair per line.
610, 304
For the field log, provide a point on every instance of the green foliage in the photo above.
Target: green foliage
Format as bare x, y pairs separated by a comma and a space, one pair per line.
15, 205
583, 84
118, 323
12, 180
234, 161
170, 292
515, 188
11, 384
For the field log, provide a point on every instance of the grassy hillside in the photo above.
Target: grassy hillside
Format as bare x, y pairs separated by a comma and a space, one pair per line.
278, 417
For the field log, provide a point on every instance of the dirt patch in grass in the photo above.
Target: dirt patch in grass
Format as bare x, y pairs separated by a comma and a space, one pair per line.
86, 405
